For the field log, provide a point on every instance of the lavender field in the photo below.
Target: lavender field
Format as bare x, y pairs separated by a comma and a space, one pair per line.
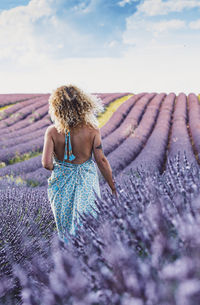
143, 248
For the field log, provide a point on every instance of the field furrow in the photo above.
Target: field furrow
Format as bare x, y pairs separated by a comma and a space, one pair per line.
152, 154
131, 121
179, 142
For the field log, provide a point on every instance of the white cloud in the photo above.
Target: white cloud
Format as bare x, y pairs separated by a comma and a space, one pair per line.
142, 32
158, 7
165, 25
150, 70
195, 25
30, 33
16, 29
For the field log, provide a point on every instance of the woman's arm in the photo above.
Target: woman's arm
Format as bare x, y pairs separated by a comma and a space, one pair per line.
48, 149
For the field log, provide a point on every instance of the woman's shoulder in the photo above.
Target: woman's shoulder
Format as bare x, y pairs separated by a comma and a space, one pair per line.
50, 128
93, 130
92, 127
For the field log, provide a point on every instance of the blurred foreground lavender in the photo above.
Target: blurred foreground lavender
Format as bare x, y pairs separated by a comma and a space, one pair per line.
143, 249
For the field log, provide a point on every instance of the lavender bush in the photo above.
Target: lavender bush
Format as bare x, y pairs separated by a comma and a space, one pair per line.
143, 248
23, 138
194, 122
7, 99
17, 107
21, 215
14, 136
29, 111
110, 97
32, 145
153, 153
114, 139
22, 167
179, 137
118, 116
142, 125
21, 126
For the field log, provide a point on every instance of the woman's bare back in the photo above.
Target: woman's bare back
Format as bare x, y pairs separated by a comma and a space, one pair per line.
81, 140
84, 140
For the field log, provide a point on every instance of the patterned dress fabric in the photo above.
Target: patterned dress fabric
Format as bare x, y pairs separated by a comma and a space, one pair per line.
71, 191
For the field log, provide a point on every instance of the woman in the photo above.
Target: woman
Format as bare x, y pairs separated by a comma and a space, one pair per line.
67, 152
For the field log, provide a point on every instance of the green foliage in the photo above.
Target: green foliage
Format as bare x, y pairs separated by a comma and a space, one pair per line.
18, 180
32, 183
2, 164
5, 107
26, 156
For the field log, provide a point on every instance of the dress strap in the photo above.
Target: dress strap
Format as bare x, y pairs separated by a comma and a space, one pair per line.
71, 156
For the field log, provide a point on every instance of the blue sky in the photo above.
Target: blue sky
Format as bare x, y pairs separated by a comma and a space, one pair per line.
8, 4
102, 46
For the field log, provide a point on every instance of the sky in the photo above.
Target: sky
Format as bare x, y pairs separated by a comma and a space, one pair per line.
100, 45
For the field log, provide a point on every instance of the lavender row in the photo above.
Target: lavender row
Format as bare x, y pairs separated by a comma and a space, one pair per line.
153, 153
7, 99
17, 107
22, 148
23, 138
39, 176
114, 139
179, 138
22, 167
194, 121
108, 98
125, 153
27, 121
30, 109
34, 127
119, 115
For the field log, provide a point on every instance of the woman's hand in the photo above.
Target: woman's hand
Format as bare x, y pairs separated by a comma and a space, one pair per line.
114, 192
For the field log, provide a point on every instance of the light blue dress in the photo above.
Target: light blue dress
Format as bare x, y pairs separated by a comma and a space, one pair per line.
71, 191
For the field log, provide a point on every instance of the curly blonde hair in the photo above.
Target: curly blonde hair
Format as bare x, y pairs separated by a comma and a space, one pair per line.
69, 106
